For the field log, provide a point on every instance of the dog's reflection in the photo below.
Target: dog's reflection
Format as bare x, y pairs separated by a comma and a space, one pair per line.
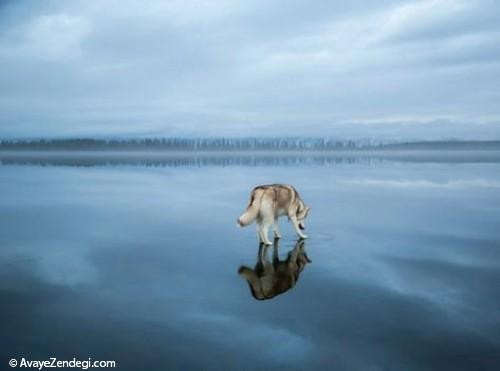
269, 279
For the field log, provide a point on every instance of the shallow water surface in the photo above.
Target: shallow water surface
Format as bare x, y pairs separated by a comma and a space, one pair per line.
139, 264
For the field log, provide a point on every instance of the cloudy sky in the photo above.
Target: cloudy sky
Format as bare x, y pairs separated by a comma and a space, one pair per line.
395, 69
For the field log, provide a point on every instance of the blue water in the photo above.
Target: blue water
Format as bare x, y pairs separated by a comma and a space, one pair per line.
139, 264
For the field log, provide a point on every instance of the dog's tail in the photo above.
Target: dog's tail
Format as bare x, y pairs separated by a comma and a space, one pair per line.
253, 281
252, 210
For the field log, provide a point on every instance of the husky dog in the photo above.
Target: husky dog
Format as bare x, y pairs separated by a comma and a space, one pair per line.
267, 203
268, 279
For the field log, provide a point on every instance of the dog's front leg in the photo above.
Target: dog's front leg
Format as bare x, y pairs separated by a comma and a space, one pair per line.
295, 224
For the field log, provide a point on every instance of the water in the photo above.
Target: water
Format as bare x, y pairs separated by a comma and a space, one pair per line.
138, 262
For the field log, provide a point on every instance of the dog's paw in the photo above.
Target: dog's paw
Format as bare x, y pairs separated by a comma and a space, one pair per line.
303, 236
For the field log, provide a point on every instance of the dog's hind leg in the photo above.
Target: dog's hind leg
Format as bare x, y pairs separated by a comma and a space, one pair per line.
267, 219
259, 232
264, 233
276, 230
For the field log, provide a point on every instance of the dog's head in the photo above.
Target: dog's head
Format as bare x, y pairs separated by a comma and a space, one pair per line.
302, 211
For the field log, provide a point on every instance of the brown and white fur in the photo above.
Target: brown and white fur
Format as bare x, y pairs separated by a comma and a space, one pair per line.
269, 202
271, 278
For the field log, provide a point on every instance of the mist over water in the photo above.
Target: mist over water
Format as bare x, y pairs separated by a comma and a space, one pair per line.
136, 260
241, 158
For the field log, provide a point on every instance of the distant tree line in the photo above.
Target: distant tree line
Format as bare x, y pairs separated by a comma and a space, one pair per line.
233, 144
188, 144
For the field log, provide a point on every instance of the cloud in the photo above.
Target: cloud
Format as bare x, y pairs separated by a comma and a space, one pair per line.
56, 36
248, 68
408, 35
